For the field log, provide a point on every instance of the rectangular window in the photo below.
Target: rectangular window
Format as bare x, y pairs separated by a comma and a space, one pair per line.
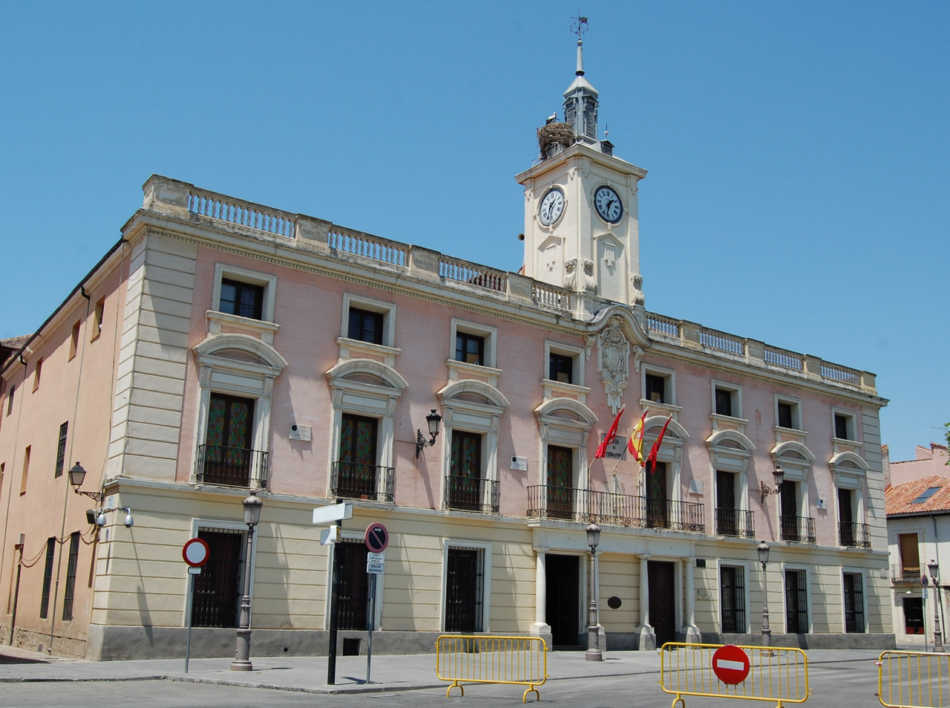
354, 587
732, 588
356, 471
97, 319
71, 576
910, 554
242, 299
724, 402
655, 390
74, 342
853, 603
10, 398
37, 373
464, 588
47, 577
61, 449
469, 348
913, 615
366, 326
26, 469
841, 427
796, 602
785, 415
561, 368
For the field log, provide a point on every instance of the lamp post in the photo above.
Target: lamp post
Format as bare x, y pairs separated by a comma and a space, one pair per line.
242, 654
763, 551
935, 577
593, 628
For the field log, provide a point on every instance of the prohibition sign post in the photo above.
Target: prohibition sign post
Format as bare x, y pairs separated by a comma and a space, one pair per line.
730, 664
195, 554
376, 538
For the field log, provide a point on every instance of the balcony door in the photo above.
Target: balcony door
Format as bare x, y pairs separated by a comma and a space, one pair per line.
228, 456
727, 520
789, 520
656, 516
846, 518
560, 482
356, 469
465, 471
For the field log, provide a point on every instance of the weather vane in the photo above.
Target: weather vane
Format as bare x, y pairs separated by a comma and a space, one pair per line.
580, 26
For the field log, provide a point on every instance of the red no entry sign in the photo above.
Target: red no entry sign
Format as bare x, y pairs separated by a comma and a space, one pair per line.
195, 552
730, 664
376, 537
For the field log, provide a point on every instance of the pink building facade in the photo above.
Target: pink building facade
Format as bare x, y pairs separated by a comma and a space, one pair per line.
223, 346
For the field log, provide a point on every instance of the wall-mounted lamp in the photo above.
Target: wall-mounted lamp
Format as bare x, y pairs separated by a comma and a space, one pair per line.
433, 420
76, 476
766, 490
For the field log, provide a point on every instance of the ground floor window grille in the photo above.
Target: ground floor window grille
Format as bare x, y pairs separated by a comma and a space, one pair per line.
796, 602
215, 602
71, 576
353, 591
464, 589
47, 577
732, 593
913, 615
853, 603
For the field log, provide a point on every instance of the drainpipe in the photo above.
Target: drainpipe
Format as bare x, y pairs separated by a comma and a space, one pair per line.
937, 596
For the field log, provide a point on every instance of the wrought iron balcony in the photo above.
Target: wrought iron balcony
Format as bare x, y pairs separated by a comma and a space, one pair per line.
231, 466
353, 480
586, 506
799, 529
735, 522
854, 535
906, 574
471, 494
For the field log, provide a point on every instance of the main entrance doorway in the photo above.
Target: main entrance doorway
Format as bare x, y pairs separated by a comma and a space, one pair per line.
662, 601
563, 602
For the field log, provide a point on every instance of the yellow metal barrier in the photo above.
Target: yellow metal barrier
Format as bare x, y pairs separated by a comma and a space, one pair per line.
915, 679
514, 660
775, 674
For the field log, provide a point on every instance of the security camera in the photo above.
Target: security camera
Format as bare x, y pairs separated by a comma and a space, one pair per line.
101, 519
129, 521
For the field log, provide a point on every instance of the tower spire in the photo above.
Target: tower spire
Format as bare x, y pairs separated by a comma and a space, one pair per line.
580, 99
579, 27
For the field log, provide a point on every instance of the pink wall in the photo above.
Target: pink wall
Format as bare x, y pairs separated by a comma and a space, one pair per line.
929, 462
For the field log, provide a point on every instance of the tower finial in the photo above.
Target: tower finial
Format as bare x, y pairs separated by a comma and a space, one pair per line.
580, 26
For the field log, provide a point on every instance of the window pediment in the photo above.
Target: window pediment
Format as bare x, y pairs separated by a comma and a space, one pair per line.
367, 372
475, 392
242, 349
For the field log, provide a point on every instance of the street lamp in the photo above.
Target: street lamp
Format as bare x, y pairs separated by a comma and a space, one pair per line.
935, 576
242, 654
76, 476
763, 550
766, 490
432, 420
593, 629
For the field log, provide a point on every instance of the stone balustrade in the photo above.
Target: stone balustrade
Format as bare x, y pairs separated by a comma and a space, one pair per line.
171, 197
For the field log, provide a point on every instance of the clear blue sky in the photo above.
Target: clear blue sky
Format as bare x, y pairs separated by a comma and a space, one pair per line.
798, 151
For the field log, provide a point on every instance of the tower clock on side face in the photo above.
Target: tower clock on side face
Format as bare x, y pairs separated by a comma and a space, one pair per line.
608, 204
551, 206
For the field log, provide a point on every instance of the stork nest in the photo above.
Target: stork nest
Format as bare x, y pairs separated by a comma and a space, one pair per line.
555, 134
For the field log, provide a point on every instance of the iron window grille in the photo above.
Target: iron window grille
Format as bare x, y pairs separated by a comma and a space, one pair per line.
853, 603
217, 591
796, 602
61, 449
464, 589
47, 577
70, 590
732, 585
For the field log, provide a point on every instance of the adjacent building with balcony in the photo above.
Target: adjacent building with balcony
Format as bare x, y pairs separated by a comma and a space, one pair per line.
223, 346
918, 531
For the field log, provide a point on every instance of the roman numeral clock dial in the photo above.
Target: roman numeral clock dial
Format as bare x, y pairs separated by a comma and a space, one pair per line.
551, 207
608, 205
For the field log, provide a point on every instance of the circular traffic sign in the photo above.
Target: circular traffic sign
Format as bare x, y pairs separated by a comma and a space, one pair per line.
376, 537
730, 664
195, 552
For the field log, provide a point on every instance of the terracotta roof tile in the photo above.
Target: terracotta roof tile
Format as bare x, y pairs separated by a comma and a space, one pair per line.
898, 499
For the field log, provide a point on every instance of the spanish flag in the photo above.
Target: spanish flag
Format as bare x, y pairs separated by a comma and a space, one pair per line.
635, 444
655, 450
610, 437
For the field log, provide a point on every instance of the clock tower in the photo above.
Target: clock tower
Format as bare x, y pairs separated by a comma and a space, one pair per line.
581, 227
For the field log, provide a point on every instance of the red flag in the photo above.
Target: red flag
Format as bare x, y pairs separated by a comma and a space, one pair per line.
655, 450
635, 444
611, 436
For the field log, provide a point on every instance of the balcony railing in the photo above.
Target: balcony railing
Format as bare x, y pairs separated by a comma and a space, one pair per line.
586, 506
471, 494
356, 481
231, 466
735, 522
854, 535
799, 529
905, 574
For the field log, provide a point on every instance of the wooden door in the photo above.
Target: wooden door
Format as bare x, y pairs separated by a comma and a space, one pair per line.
560, 482
662, 601
563, 600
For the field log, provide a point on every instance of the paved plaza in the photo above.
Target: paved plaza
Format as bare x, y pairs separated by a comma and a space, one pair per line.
838, 678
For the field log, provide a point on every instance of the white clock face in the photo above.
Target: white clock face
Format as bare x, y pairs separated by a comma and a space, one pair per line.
608, 204
551, 207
